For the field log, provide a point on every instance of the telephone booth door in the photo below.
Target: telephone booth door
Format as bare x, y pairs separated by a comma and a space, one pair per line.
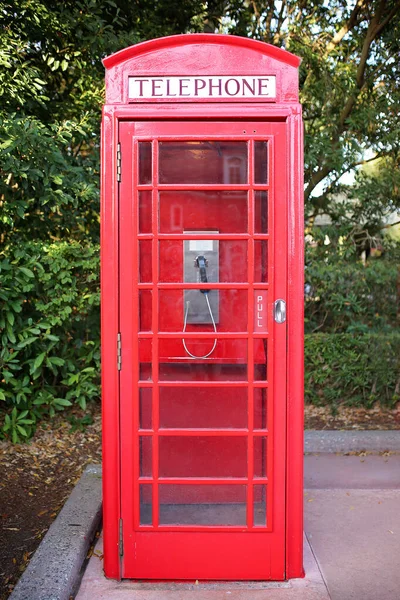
202, 264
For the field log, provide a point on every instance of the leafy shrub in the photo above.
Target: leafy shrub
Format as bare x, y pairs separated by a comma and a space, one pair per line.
49, 327
351, 297
47, 189
352, 370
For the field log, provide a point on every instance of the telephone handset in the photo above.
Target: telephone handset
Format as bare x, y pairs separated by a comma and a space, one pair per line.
202, 263
202, 312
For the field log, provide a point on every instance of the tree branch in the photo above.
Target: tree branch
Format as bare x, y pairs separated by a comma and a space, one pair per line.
268, 20
388, 18
281, 18
391, 225
337, 38
374, 29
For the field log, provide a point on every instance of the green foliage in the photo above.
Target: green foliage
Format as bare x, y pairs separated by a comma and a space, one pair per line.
349, 88
350, 297
49, 189
52, 89
49, 327
355, 370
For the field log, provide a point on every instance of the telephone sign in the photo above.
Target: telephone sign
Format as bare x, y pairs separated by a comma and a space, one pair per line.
202, 287
202, 87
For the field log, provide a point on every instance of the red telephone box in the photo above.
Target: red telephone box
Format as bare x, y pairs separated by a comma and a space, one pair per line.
202, 311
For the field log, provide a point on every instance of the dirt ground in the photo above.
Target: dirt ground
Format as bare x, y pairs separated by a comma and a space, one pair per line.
37, 477
35, 480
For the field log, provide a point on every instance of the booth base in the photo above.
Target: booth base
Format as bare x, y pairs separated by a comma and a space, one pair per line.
95, 586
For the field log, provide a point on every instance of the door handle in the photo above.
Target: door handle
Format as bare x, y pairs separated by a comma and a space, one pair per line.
280, 311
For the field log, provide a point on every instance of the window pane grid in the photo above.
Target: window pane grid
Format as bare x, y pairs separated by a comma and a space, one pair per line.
155, 482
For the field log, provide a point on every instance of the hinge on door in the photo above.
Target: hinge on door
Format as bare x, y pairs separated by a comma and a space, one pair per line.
118, 162
119, 352
121, 538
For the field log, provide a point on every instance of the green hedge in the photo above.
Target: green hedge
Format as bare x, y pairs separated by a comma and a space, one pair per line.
50, 332
352, 370
350, 297
50, 358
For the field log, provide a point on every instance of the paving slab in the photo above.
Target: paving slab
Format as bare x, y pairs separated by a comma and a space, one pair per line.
95, 586
355, 535
343, 472
351, 441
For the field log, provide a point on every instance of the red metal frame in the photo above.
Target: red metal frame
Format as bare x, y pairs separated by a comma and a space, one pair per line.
148, 58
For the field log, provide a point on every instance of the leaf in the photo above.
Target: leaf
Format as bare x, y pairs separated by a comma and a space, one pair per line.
23, 414
11, 336
26, 342
38, 361
55, 360
27, 272
6, 144
53, 338
22, 430
62, 402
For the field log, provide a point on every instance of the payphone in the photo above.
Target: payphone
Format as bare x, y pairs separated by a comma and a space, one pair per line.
202, 311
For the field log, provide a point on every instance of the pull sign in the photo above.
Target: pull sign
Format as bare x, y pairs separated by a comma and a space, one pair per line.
260, 311
280, 311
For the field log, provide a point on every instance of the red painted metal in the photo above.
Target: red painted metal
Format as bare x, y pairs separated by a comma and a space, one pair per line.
272, 452
109, 330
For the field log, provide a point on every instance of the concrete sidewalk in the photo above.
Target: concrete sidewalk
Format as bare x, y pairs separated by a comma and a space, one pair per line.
95, 586
352, 524
351, 544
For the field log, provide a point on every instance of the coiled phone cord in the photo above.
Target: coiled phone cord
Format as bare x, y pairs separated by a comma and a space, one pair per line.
214, 325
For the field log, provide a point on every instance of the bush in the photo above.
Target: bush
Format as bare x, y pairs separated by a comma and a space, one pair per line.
352, 370
49, 327
350, 297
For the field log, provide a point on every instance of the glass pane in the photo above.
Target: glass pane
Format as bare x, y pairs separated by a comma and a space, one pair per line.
145, 310
260, 408
201, 407
260, 456
224, 211
261, 261
204, 162
260, 359
144, 163
146, 504
260, 162
226, 260
260, 212
145, 211
145, 267
202, 504
260, 505
145, 410
191, 371
202, 456
228, 308
145, 456
260, 311
145, 359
